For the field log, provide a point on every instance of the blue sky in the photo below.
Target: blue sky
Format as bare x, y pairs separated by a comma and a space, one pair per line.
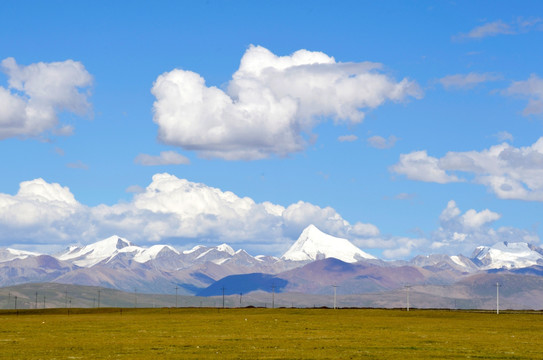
406, 127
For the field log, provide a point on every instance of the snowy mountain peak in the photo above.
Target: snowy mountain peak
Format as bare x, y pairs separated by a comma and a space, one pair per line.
11, 254
313, 244
154, 252
226, 248
194, 249
112, 242
92, 254
508, 255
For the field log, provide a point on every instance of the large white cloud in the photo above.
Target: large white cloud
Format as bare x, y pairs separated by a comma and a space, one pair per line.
510, 172
39, 212
271, 104
37, 92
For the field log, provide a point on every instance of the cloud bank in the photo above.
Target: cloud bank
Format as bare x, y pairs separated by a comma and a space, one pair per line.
271, 104
37, 93
183, 213
169, 209
509, 172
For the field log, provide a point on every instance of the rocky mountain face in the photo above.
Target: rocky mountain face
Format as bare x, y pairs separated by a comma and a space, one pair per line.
314, 264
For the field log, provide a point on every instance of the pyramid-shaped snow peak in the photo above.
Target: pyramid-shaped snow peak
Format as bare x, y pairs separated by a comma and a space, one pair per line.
313, 244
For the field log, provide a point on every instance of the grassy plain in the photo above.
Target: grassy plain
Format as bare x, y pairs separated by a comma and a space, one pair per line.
200, 333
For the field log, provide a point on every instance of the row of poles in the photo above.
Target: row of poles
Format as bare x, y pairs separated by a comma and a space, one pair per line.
68, 301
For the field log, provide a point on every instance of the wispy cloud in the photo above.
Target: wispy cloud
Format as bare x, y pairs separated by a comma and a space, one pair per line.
347, 138
165, 158
467, 81
504, 136
134, 189
78, 165
499, 27
531, 89
380, 142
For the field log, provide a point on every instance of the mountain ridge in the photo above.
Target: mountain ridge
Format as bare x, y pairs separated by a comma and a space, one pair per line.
115, 262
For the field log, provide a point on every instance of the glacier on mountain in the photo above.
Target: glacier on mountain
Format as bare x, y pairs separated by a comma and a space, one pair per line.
313, 244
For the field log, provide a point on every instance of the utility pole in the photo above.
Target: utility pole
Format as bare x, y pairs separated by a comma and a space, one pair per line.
240, 295
176, 296
99, 298
273, 296
66, 297
407, 292
15, 302
498, 298
335, 287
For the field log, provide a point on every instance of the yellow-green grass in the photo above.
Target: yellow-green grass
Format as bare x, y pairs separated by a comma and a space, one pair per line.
196, 333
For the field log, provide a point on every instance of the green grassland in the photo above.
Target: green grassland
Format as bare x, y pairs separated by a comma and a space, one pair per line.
253, 333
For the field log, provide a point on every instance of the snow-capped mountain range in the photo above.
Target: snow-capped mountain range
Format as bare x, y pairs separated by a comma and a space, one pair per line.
315, 258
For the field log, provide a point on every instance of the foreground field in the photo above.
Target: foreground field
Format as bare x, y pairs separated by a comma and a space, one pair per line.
268, 334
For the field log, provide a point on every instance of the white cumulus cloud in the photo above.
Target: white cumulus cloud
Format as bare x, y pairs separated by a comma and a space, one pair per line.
419, 166
510, 172
460, 233
271, 104
37, 93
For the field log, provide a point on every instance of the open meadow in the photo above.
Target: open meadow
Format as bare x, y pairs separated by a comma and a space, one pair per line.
251, 333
